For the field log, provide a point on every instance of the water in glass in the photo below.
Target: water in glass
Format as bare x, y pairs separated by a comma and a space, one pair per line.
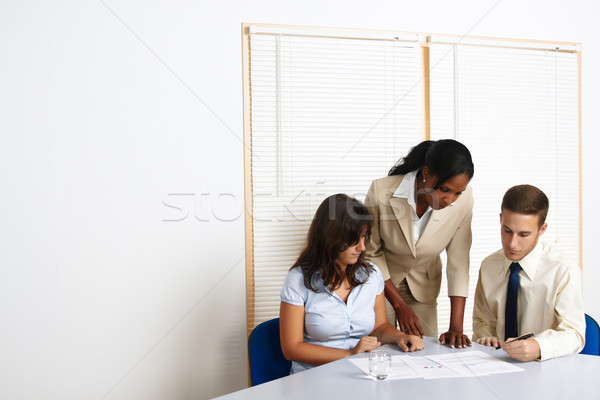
380, 362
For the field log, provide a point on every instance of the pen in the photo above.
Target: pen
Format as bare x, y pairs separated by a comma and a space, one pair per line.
522, 337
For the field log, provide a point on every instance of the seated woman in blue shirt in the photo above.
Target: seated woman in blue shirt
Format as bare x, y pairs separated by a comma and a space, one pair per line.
332, 301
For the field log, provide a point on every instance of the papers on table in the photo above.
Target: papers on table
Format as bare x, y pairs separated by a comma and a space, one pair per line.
430, 369
454, 365
474, 363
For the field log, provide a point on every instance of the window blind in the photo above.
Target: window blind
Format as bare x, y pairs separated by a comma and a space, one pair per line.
328, 114
516, 108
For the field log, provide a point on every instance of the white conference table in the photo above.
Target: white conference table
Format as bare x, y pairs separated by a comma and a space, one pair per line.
572, 377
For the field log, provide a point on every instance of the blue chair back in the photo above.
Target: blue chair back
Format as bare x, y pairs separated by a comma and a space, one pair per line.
592, 337
264, 352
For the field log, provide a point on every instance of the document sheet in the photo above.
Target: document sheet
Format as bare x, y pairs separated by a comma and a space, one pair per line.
455, 365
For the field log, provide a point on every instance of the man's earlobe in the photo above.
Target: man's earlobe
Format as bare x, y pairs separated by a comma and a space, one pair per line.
543, 228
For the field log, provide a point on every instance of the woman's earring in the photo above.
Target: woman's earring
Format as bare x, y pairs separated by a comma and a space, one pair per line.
423, 180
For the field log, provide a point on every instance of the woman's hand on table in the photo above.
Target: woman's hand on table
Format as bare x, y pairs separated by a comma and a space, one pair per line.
408, 321
455, 338
366, 343
410, 343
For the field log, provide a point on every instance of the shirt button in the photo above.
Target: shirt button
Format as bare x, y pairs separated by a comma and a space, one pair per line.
406, 269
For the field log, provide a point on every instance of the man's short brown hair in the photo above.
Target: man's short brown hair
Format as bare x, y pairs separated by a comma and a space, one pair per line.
526, 199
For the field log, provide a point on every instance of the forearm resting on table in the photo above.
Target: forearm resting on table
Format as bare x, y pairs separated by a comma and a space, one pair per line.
385, 333
313, 354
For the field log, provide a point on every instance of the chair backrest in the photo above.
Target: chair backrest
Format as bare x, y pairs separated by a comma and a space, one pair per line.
264, 352
592, 337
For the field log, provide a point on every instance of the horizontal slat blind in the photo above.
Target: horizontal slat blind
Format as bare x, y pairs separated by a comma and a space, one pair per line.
328, 115
517, 111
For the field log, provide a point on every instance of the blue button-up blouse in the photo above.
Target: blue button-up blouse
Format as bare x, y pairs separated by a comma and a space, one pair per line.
328, 321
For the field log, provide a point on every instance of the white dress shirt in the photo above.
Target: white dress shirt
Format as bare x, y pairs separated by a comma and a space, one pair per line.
406, 190
549, 304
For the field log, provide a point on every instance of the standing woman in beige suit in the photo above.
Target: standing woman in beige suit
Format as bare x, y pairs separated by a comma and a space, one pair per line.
423, 207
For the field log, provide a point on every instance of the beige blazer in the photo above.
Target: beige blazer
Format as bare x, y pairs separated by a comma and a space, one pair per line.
393, 250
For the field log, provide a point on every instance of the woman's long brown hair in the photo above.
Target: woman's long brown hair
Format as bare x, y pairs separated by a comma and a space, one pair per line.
338, 224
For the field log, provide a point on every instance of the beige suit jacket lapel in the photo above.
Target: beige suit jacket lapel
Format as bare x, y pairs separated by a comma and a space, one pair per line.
403, 212
438, 219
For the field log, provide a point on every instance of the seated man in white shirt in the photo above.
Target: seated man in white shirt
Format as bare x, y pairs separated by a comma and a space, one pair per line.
528, 286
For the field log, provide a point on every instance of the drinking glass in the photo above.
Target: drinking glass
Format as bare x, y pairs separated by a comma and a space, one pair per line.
380, 362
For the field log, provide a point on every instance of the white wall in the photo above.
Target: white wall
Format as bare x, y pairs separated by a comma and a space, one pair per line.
110, 109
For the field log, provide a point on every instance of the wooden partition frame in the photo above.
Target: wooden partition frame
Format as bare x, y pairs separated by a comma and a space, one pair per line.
248, 203
426, 93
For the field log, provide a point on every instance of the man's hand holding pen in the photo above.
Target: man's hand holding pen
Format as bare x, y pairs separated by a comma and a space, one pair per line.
522, 348
522, 337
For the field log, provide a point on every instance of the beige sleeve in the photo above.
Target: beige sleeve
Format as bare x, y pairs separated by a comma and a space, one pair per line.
457, 270
484, 320
569, 335
375, 247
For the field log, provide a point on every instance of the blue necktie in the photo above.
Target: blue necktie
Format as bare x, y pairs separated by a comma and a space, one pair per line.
512, 293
